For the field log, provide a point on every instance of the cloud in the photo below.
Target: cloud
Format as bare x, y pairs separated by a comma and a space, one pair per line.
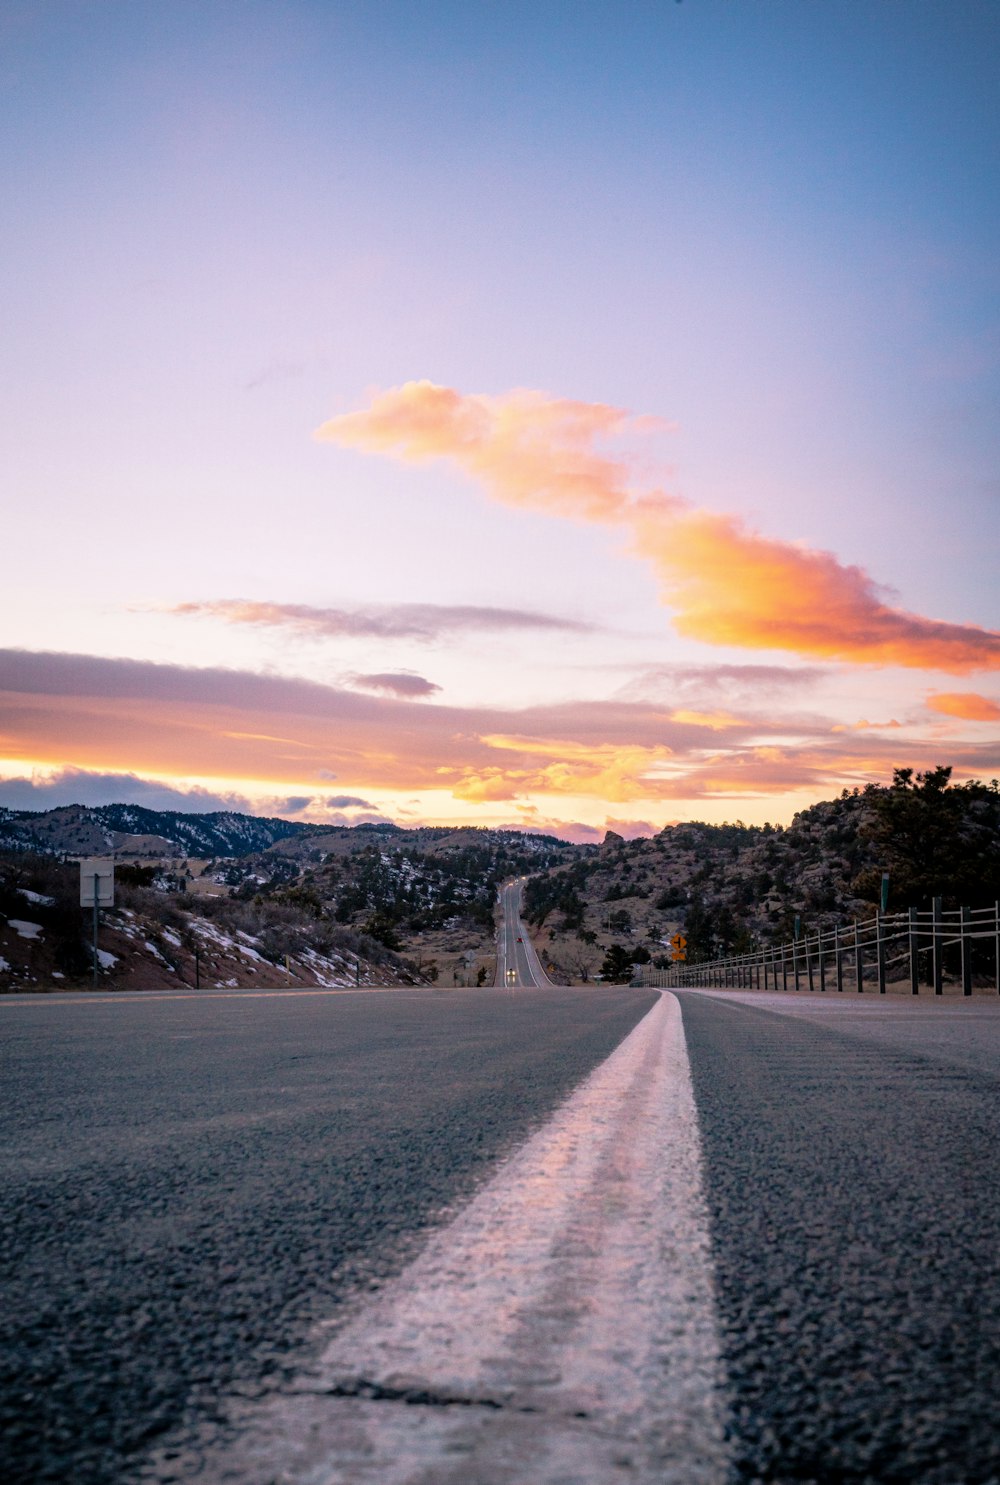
65, 786
395, 683
420, 621
727, 584
528, 448
730, 586
102, 714
126, 718
337, 809
967, 705
711, 684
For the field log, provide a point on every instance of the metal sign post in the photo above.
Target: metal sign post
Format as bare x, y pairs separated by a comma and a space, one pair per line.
97, 890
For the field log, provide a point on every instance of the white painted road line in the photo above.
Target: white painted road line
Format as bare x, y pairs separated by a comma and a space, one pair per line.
561, 1328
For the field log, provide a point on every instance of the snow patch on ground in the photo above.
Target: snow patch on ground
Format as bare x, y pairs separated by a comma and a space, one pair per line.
36, 897
106, 960
157, 955
23, 929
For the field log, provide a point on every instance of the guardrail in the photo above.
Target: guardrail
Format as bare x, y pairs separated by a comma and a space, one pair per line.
933, 946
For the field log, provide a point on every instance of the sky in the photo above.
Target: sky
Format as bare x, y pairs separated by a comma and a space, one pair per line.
564, 416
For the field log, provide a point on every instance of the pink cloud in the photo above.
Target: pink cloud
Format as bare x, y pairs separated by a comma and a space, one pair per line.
402, 683
420, 621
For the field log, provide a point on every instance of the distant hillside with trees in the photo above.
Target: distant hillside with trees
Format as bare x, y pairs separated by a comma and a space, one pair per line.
729, 888
324, 898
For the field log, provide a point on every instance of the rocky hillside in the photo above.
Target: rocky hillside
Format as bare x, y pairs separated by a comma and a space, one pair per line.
728, 888
155, 939
429, 894
410, 905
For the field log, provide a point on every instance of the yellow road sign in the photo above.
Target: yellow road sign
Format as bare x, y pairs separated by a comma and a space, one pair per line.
679, 942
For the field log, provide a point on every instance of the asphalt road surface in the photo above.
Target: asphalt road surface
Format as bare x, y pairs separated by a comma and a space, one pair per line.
758, 1243
518, 965
188, 1182
851, 1158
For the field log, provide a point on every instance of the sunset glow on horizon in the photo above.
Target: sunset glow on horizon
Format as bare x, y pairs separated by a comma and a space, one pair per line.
563, 420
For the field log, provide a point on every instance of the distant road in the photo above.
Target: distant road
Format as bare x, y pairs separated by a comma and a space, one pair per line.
518, 966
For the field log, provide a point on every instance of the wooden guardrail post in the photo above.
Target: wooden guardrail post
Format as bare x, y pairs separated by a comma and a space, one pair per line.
965, 942
937, 940
914, 953
859, 966
880, 952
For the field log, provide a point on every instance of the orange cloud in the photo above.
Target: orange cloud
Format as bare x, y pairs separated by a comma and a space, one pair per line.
731, 586
529, 449
965, 704
727, 584
716, 721
612, 771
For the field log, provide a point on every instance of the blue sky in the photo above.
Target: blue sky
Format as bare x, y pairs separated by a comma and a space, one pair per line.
770, 224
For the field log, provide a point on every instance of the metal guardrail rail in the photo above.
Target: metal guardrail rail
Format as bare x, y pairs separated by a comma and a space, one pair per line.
932, 947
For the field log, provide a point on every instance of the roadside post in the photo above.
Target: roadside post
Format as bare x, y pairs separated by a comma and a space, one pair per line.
796, 931
97, 890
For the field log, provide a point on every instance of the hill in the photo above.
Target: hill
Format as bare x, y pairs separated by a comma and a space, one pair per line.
728, 888
308, 904
157, 939
130, 829
420, 903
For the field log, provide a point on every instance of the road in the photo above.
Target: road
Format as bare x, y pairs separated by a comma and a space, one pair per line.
189, 1182
850, 1153
431, 1236
518, 966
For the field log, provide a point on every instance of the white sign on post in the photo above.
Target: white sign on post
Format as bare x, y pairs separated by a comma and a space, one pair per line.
99, 870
